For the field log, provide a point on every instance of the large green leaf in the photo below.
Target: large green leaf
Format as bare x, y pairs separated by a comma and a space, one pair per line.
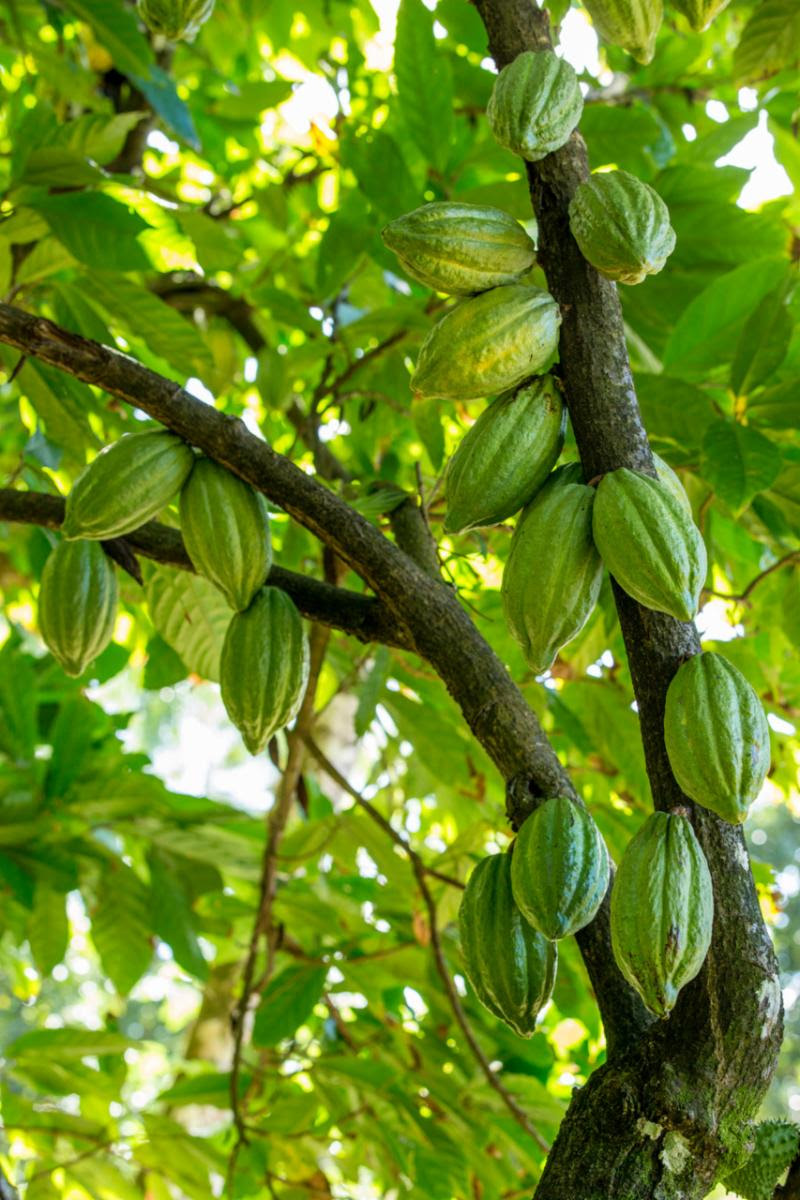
191, 616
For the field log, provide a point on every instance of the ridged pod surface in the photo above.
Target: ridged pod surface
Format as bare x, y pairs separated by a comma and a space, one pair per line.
671, 480
264, 667
700, 13
77, 604
631, 24
460, 248
776, 1144
621, 226
717, 735
178, 20
662, 910
225, 526
559, 868
511, 967
127, 484
489, 343
553, 573
503, 460
535, 104
649, 543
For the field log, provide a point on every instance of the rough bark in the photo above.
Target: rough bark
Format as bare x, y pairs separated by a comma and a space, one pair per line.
656, 1122
424, 608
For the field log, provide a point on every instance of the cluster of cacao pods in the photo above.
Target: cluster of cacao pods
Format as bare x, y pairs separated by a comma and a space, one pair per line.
518, 905
225, 525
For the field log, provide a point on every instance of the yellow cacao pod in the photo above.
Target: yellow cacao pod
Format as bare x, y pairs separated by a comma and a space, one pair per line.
460, 248
488, 344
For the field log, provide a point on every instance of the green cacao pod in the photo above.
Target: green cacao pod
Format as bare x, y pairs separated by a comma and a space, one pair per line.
621, 226
717, 735
649, 543
488, 344
671, 480
631, 24
535, 104
264, 667
700, 13
127, 484
662, 909
553, 573
460, 248
77, 604
559, 868
225, 526
178, 20
776, 1144
511, 967
503, 460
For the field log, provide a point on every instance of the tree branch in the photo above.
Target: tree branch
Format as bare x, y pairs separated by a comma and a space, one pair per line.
425, 610
363, 617
713, 1059
421, 871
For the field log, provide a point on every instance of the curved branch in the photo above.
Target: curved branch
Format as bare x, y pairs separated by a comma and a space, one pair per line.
424, 608
710, 1064
363, 617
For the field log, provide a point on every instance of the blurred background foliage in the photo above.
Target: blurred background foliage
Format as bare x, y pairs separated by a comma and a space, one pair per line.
215, 210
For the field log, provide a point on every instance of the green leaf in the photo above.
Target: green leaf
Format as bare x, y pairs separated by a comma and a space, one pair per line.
707, 333
121, 926
172, 913
117, 29
427, 416
192, 617
673, 409
375, 159
738, 462
763, 343
68, 1042
163, 666
163, 329
48, 929
159, 88
95, 228
778, 406
72, 734
97, 136
58, 166
62, 404
18, 702
370, 690
770, 41
286, 1003
424, 83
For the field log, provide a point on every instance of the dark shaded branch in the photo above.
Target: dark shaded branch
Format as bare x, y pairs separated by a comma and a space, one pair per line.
790, 1190
425, 610
704, 1070
363, 617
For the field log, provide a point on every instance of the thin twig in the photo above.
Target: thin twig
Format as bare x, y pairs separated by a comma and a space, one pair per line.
420, 872
741, 597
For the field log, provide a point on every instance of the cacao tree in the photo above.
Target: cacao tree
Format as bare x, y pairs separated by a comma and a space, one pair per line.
393, 397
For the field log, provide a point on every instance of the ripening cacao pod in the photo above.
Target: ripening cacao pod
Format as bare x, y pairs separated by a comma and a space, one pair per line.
700, 13
127, 484
178, 20
631, 24
264, 667
662, 909
649, 543
671, 480
489, 343
77, 604
460, 248
225, 526
553, 573
511, 967
535, 104
717, 735
559, 868
621, 226
775, 1146
503, 460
